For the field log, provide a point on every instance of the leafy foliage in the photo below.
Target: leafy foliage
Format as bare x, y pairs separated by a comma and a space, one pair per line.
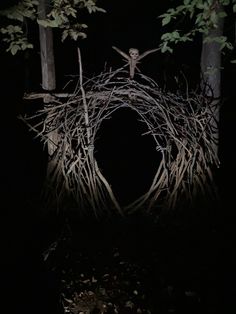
24, 9
15, 38
204, 14
63, 15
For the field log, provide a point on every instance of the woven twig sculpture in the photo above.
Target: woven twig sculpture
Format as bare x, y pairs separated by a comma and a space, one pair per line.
179, 126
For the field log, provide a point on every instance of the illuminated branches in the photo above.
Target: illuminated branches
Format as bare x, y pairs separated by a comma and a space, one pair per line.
179, 126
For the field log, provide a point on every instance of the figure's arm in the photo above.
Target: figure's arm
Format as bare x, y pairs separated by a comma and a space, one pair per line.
144, 54
122, 53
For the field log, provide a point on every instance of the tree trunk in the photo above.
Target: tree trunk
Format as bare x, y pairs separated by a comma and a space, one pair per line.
211, 74
48, 76
46, 48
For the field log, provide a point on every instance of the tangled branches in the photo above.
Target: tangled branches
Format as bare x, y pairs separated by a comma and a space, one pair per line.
180, 127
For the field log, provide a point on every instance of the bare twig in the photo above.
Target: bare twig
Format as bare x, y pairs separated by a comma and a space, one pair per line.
178, 124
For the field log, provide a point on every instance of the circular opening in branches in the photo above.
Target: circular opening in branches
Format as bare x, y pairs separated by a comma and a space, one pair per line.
125, 155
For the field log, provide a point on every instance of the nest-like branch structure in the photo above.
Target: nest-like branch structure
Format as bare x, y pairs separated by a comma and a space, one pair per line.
179, 125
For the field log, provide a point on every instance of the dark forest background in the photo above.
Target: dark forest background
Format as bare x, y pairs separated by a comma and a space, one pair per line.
23, 159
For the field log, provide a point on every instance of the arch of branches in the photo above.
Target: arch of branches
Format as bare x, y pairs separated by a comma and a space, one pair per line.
179, 125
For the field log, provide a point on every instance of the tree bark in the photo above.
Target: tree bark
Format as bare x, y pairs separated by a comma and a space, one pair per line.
46, 48
211, 74
48, 78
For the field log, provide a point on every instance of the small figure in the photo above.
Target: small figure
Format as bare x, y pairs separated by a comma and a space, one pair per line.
133, 58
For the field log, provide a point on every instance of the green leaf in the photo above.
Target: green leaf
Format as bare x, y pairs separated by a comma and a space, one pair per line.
82, 35
234, 8
64, 35
74, 35
175, 35
13, 49
166, 37
222, 14
63, 15
199, 19
101, 10
25, 45
228, 45
225, 2
180, 9
233, 61
50, 23
185, 38
43, 23
186, 2
166, 20
12, 29
213, 17
165, 48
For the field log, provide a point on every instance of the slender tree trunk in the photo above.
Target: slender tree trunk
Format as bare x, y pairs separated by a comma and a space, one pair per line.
48, 74
211, 74
46, 49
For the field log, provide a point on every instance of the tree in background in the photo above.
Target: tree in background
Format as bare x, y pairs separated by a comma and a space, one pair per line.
62, 15
206, 18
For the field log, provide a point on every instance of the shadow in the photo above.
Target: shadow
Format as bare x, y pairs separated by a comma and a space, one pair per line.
127, 158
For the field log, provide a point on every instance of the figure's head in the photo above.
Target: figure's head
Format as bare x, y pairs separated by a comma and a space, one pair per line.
134, 53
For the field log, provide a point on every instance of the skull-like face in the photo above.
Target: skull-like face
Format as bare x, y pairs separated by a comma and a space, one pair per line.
134, 53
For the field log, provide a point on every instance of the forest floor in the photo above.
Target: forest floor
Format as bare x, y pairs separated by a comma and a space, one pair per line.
183, 263
137, 265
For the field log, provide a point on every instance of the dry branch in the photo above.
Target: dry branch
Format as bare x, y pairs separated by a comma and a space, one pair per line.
179, 126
